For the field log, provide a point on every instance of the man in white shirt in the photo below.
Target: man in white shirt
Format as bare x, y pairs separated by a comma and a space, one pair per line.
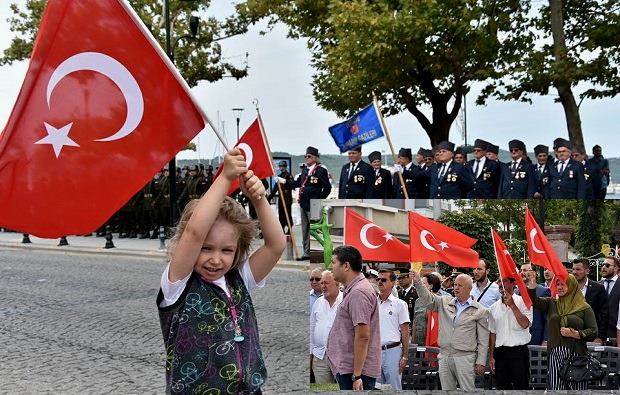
315, 284
321, 320
509, 322
484, 291
394, 329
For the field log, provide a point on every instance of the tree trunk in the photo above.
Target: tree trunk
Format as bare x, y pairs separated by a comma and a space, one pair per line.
563, 84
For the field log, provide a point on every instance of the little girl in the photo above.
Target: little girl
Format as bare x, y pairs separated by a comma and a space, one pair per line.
205, 309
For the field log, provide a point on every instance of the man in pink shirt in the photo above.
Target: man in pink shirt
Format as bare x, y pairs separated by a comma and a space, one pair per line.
356, 326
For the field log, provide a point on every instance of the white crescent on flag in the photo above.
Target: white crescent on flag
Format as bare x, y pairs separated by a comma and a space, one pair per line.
533, 234
249, 155
364, 237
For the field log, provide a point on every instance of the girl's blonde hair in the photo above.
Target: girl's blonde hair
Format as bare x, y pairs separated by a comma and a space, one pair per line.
230, 211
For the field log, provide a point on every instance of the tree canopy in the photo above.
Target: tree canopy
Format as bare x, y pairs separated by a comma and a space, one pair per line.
412, 54
197, 59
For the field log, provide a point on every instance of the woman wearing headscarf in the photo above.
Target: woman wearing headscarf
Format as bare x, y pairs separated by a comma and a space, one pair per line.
571, 324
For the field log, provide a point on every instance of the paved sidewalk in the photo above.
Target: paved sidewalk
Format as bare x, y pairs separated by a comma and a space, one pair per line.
146, 248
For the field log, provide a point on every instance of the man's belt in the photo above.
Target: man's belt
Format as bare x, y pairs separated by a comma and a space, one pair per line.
390, 345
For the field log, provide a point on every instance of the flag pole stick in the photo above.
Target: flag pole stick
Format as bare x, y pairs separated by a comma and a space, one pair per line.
497, 260
389, 139
280, 190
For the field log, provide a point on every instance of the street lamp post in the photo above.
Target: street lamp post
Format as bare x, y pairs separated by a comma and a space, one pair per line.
237, 112
172, 165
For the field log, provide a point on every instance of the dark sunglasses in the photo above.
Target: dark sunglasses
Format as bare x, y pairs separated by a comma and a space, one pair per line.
382, 280
608, 265
315, 279
477, 150
309, 156
515, 150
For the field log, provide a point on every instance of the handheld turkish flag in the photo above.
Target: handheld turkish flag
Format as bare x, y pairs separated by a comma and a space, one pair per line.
431, 241
540, 250
252, 146
432, 329
373, 242
100, 111
507, 267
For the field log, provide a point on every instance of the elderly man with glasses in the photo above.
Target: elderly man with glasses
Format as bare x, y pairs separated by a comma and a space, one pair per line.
518, 179
567, 179
486, 173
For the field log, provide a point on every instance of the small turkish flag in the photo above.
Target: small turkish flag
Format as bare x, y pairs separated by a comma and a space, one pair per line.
100, 111
432, 329
433, 241
252, 147
373, 242
507, 267
540, 250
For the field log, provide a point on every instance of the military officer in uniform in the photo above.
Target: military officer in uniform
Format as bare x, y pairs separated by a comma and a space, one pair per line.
422, 177
449, 180
579, 154
493, 152
406, 167
542, 170
162, 201
486, 173
382, 178
356, 177
518, 179
313, 183
407, 292
567, 180
195, 186
286, 200
146, 215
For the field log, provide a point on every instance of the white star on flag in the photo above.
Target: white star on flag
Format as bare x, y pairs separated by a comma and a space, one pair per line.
388, 237
58, 138
443, 245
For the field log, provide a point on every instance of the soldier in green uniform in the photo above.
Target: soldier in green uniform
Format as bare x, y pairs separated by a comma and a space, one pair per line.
162, 201
145, 210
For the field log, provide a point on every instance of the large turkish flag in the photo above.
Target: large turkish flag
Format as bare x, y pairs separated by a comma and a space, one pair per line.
507, 266
253, 148
433, 241
100, 111
372, 241
540, 251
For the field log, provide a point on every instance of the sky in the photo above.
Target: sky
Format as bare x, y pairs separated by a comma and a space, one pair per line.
280, 78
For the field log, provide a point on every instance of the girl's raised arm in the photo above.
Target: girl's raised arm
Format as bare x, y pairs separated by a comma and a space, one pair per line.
189, 245
265, 258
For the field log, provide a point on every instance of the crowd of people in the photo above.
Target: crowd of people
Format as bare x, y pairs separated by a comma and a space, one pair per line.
363, 321
444, 173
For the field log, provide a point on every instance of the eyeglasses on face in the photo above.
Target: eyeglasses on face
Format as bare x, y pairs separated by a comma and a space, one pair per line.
309, 156
382, 280
313, 279
515, 150
608, 265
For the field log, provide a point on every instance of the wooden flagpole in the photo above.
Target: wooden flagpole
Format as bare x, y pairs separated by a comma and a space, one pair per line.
280, 190
389, 139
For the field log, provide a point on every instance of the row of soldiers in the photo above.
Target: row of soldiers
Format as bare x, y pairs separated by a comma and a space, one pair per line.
149, 209
444, 173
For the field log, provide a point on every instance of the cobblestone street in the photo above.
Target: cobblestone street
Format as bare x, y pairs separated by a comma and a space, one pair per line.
73, 323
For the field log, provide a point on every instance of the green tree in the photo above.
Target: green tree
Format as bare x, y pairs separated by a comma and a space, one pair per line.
197, 59
412, 54
573, 44
588, 237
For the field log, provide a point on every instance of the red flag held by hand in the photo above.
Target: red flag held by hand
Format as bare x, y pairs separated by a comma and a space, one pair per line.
100, 111
373, 242
252, 147
432, 241
540, 250
432, 329
507, 267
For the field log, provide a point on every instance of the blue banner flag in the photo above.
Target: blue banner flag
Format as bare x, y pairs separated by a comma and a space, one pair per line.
365, 126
